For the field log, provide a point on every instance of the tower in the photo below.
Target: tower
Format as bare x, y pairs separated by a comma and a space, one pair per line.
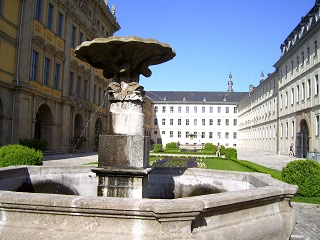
230, 83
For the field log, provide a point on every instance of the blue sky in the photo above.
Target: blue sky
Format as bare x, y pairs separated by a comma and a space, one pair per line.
211, 38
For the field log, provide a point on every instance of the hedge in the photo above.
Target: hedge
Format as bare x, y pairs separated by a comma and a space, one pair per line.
35, 143
231, 153
158, 148
305, 174
16, 154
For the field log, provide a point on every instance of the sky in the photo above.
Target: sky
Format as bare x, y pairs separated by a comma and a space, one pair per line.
211, 38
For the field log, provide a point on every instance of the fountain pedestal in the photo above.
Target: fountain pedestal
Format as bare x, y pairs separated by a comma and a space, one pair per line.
123, 165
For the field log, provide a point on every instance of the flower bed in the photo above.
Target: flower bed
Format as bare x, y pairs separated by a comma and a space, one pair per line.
176, 162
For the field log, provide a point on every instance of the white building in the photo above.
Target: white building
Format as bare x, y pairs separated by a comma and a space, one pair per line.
195, 118
285, 107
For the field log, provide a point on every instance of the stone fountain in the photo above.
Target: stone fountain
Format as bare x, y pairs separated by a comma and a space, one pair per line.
123, 166
135, 201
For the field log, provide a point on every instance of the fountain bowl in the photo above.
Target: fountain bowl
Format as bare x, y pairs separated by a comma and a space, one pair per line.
181, 203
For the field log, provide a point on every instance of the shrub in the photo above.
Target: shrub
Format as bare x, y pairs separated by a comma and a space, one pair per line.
222, 150
16, 154
35, 143
210, 146
158, 148
305, 174
231, 153
171, 146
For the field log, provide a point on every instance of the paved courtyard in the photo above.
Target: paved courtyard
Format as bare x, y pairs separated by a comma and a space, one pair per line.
308, 223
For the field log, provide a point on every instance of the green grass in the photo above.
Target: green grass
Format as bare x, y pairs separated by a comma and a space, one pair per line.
313, 200
224, 164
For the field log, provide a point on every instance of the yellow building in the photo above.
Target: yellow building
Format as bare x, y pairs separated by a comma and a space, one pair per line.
45, 92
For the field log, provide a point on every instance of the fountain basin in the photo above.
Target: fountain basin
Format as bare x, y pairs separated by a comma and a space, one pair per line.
248, 206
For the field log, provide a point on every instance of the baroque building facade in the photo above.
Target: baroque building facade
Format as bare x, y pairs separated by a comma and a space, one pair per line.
195, 118
295, 94
45, 91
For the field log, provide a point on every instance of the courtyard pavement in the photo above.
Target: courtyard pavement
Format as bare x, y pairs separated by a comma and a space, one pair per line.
308, 223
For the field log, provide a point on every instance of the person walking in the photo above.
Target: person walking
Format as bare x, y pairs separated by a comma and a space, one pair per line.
218, 149
291, 152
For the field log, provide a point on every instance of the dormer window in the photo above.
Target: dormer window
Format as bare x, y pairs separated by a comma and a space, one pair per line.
165, 98
224, 99
204, 99
184, 99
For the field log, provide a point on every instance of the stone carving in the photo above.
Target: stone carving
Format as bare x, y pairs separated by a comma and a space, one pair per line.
126, 91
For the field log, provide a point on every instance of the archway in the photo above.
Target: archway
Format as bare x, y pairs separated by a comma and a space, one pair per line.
1, 123
302, 140
79, 137
97, 131
43, 128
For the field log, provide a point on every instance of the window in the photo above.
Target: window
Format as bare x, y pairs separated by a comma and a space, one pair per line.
309, 88
210, 134
155, 132
155, 122
316, 85
163, 132
281, 130
227, 122
73, 36
292, 129
227, 135
60, 25
308, 54
211, 109
187, 134
34, 65
315, 44
57, 76
38, 10
195, 109
297, 66
1, 7
81, 38
218, 135
219, 122
210, 121
179, 121
281, 101
85, 90
317, 125
99, 95
302, 59
171, 109
235, 122
292, 96
287, 129
286, 72
79, 83
227, 109
46, 71
71, 80
302, 91
179, 134
286, 99
163, 121
195, 122
234, 135
105, 99
235, 110
195, 134
171, 134
298, 93
171, 122
187, 109
203, 122
179, 109
291, 67
203, 135
203, 109
94, 93
163, 109
219, 109
50, 16
187, 121
155, 109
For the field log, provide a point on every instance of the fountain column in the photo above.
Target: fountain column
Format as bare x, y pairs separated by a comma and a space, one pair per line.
123, 164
